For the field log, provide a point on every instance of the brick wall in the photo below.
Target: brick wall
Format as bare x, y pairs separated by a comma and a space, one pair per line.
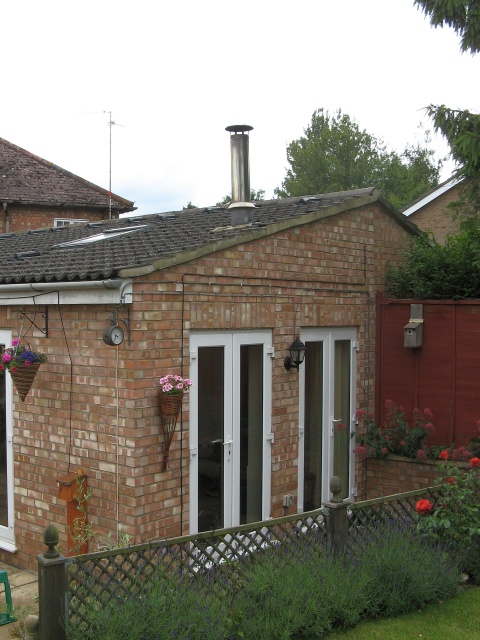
96, 407
396, 474
24, 218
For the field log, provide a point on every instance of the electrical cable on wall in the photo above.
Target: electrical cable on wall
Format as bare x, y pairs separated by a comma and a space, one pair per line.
69, 455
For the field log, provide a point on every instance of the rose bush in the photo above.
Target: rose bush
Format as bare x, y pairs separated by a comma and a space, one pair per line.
455, 519
398, 435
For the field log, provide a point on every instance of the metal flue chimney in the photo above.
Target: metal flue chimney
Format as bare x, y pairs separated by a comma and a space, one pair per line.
241, 207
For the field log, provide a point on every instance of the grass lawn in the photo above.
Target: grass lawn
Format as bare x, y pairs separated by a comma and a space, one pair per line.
457, 618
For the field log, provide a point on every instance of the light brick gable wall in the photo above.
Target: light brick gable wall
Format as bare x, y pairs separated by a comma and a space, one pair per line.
96, 407
436, 217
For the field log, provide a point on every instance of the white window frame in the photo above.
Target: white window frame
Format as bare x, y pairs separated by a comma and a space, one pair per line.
66, 222
231, 341
328, 336
7, 534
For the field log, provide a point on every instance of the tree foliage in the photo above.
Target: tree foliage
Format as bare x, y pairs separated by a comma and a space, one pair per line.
434, 271
336, 155
461, 128
254, 195
462, 15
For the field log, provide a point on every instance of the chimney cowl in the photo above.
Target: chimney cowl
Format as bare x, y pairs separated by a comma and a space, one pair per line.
242, 208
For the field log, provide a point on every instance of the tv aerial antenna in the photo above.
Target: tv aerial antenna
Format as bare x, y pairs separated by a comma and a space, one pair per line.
111, 123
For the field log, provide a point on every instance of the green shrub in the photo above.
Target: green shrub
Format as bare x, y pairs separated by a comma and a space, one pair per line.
298, 591
407, 572
171, 608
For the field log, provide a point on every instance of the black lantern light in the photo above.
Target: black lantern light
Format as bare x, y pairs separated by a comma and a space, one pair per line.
297, 354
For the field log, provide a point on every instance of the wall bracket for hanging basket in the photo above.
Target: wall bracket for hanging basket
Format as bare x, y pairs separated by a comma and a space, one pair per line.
170, 407
43, 330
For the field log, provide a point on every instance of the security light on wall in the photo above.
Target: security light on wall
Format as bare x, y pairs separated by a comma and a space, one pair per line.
296, 355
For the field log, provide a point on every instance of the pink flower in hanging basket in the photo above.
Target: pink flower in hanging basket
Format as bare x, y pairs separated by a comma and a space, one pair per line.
174, 385
18, 356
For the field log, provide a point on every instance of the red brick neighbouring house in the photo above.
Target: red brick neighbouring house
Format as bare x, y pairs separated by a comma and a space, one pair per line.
35, 193
213, 295
431, 212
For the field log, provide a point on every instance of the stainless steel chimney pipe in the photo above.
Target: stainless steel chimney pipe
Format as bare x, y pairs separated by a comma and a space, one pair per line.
241, 207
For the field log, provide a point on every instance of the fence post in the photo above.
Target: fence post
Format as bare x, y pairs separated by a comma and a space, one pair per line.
337, 523
31, 628
52, 585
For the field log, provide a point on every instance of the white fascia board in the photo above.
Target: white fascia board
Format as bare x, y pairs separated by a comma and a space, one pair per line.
117, 291
431, 196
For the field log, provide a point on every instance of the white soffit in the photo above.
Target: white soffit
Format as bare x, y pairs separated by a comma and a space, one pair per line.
95, 292
431, 196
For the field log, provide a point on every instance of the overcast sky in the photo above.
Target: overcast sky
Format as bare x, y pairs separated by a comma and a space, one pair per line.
175, 74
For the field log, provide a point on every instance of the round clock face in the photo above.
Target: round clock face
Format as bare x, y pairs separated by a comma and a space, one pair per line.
113, 335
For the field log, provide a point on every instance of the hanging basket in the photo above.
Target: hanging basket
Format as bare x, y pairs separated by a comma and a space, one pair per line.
169, 411
23, 378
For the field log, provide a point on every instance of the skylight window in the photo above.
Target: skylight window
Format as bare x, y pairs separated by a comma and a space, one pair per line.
108, 234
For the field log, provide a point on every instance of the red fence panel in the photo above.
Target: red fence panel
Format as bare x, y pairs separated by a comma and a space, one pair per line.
443, 374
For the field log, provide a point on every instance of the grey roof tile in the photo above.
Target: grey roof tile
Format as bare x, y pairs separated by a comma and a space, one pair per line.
155, 238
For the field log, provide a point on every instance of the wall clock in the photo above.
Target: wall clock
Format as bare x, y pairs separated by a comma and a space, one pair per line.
113, 335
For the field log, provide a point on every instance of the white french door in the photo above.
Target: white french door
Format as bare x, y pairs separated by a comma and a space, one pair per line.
7, 534
230, 428
326, 420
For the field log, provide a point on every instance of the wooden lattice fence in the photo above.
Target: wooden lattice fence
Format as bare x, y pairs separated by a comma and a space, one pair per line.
106, 576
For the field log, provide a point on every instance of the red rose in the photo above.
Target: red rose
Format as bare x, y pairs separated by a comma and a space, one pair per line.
423, 506
451, 480
444, 455
475, 462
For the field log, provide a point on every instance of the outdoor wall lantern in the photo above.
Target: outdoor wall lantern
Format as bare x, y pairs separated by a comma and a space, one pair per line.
296, 355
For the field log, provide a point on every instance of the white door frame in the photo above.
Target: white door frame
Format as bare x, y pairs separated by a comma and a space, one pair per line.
7, 533
328, 336
231, 342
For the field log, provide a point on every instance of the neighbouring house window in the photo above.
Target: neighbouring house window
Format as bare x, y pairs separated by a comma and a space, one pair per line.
64, 222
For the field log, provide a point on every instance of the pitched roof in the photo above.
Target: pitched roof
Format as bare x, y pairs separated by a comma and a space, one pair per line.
130, 247
30, 180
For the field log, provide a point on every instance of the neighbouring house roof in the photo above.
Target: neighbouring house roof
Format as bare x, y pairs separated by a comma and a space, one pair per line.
27, 179
431, 195
130, 247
